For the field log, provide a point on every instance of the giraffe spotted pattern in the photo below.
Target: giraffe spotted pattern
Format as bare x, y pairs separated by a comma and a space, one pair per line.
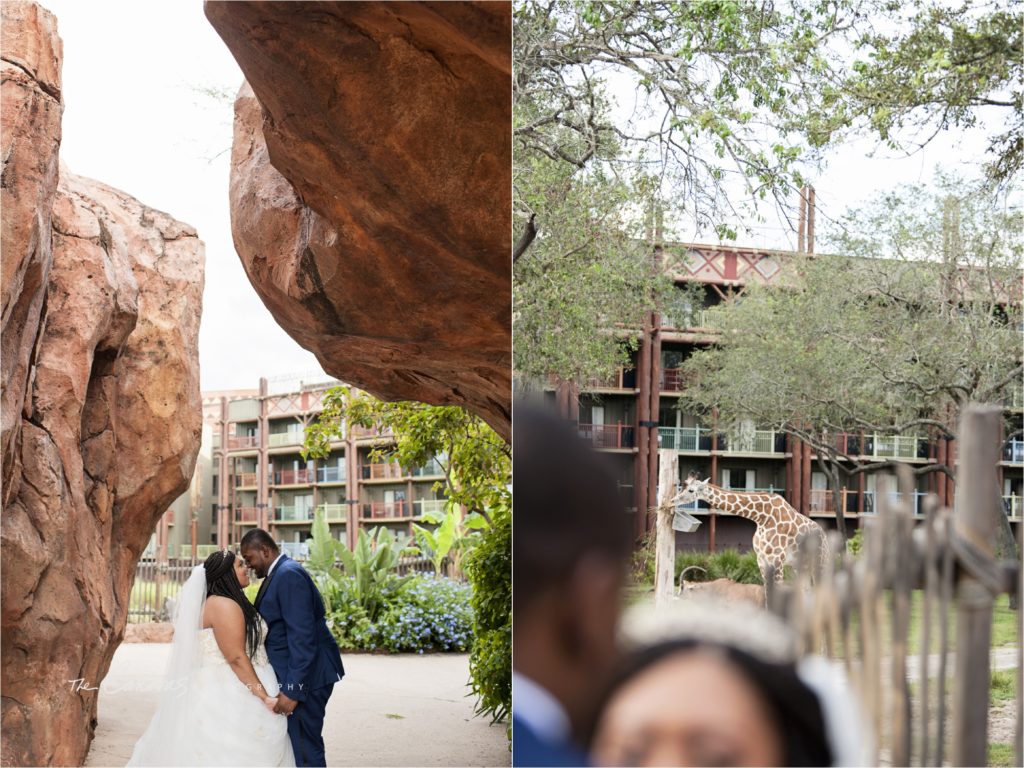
779, 526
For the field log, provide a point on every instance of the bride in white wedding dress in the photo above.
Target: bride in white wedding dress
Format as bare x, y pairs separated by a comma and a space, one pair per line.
216, 704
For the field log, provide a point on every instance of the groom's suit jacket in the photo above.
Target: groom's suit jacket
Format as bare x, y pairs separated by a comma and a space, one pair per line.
300, 648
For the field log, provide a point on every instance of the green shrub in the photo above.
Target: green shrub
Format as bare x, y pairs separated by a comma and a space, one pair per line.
489, 568
369, 568
856, 542
727, 564
429, 614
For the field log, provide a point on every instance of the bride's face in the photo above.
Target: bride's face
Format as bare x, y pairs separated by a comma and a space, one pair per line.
242, 572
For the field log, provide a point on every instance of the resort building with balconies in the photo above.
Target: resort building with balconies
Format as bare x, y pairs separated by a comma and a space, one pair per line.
250, 473
636, 412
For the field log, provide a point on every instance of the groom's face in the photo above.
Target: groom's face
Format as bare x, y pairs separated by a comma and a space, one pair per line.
259, 558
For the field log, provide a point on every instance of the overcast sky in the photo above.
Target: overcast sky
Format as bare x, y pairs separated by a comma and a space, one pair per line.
135, 118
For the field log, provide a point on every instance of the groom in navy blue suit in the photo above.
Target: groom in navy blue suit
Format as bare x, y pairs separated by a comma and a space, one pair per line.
301, 649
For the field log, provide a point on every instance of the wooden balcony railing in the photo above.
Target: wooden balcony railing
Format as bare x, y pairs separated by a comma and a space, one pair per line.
622, 379
382, 471
247, 515
365, 432
386, 509
823, 501
245, 479
293, 477
674, 380
236, 442
608, 435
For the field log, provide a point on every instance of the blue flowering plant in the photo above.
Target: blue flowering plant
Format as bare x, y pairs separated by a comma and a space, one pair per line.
432, 613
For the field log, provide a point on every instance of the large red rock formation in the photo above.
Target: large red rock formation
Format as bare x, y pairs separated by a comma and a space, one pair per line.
30, 55
371, 189
109, 439
101, 405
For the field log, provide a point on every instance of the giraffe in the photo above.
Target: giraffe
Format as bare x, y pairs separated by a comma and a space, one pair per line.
778, 524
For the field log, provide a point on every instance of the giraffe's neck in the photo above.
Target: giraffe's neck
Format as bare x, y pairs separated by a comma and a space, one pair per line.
742, 505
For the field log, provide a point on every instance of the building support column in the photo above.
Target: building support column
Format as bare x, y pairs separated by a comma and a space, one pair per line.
939, 481
225, 480
641, 465
860, 495
805, 481
352, 487
573, 405
951, 452
262, 494
797, 462
654, 415
714, 447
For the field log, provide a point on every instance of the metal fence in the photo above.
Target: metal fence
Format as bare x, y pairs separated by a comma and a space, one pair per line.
926, 693
157, 583
156, 588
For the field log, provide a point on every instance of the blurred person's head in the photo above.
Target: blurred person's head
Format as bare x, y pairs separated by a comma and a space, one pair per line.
572, 542
717, 687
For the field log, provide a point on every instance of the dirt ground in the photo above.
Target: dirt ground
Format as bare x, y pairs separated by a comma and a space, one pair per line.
404, 710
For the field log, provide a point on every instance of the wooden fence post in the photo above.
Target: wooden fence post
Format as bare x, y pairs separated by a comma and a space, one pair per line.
665, 541
974, 524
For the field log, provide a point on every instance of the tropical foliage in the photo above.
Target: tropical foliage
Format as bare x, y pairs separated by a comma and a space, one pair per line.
489, 567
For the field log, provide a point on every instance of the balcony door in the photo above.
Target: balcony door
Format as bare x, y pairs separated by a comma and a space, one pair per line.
304, 507
819, 492
739, 479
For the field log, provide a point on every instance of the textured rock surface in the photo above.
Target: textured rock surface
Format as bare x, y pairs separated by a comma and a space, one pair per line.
150, 632
371, 189
109, 439
30, 95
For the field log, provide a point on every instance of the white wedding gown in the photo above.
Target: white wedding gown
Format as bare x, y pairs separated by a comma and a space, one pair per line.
206, 715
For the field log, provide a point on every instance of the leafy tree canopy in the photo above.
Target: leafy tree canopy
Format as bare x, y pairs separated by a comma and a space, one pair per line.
919, 316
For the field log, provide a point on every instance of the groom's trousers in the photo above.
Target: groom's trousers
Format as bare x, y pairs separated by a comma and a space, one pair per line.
306, 727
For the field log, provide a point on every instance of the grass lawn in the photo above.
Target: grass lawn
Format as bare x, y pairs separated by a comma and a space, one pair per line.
1004, 623
638, 593
1003, 685
1000, 755
144, 593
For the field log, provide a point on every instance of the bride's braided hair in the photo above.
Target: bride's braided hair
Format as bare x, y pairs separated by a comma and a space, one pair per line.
221, 580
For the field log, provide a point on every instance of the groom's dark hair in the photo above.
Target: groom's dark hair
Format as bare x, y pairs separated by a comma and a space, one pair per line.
257, 537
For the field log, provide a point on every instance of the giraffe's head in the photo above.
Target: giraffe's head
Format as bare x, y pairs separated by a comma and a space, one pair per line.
694, 489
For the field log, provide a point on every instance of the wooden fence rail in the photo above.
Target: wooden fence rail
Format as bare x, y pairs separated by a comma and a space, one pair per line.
857, 610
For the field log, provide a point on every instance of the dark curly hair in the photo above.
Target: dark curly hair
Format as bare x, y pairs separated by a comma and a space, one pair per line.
221, 580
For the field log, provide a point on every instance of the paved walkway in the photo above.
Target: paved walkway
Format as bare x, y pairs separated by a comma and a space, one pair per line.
405, 710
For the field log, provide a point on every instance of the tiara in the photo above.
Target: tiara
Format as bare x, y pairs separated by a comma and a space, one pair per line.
752, 630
